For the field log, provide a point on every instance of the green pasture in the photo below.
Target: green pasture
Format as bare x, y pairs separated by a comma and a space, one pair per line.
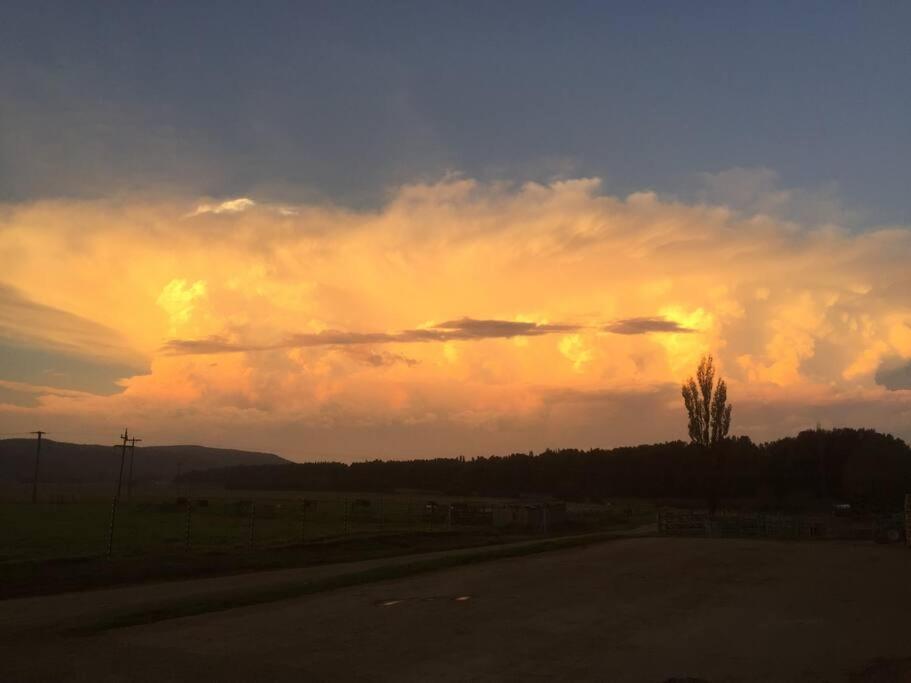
68, 527
78, 529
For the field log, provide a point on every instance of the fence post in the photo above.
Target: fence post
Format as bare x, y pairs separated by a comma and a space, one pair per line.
189, 516
347, 520
252, 523
111, 529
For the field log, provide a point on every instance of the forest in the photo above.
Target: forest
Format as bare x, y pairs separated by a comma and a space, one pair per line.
860, 466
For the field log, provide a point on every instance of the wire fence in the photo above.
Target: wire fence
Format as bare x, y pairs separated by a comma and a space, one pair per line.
880, 528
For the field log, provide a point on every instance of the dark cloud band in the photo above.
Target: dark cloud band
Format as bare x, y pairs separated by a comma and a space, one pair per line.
645, 326
463, 329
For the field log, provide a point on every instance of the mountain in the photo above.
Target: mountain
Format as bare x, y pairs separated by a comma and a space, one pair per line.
82, 463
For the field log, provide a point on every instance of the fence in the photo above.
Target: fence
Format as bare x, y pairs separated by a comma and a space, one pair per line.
883, 528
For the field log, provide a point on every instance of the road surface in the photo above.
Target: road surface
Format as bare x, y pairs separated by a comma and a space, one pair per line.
646, 609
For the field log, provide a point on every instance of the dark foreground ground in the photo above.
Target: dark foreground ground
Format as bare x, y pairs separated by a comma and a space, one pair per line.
648, 609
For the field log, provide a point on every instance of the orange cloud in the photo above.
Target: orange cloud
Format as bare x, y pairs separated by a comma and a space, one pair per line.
326, 311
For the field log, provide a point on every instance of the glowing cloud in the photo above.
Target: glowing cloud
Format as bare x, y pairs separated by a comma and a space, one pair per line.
228, 206
177, 299
424, 327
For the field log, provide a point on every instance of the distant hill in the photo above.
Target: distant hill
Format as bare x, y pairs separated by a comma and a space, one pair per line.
82, 463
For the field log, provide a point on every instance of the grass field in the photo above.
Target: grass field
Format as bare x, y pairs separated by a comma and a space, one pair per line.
78, 529
74, 523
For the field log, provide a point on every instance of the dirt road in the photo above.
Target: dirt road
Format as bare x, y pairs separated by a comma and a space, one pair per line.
628, 610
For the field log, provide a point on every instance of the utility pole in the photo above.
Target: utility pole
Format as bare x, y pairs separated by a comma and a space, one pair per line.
37, 458
133, 441
123, 456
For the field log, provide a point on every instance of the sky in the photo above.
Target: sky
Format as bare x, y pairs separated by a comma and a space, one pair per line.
355, 230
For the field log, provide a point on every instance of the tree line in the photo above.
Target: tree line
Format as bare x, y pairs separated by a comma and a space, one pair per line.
853, 465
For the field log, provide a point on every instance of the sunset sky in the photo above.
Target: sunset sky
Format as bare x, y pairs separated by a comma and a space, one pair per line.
356, 230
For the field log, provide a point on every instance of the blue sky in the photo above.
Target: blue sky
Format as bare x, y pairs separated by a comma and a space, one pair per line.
343, 101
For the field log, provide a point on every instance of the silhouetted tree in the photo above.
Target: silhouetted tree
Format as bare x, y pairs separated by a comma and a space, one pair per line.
709, 417
706, 406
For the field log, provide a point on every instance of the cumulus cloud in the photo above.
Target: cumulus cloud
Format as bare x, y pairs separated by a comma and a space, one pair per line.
320, 327
228, 206
241, 205
894, 374
759, 191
